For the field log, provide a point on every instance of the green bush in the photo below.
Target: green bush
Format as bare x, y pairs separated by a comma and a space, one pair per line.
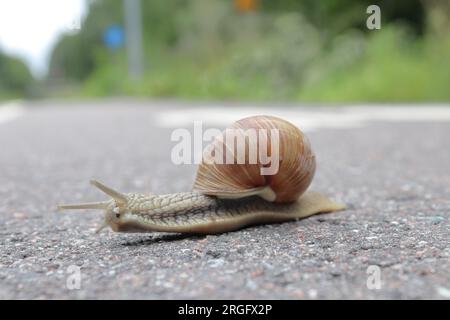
204, 49
15, 77
392, 69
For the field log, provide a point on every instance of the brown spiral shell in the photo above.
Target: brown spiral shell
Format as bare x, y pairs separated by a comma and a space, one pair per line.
296, 163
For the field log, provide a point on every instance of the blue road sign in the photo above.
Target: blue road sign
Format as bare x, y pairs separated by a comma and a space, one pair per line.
114, 37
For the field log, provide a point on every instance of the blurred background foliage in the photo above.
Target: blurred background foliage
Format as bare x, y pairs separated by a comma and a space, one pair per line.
291, 50
16, 79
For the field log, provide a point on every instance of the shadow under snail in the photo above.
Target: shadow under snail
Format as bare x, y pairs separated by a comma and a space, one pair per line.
227, 197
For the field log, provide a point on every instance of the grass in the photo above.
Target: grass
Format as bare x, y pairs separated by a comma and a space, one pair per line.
390, 66
391, 70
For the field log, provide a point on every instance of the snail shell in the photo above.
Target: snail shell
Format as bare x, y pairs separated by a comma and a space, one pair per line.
296, 163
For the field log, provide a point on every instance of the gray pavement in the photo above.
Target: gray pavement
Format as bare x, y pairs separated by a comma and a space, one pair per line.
394, 176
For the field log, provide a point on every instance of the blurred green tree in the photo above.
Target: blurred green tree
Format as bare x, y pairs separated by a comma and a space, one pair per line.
261, 49
15, 77
337, 15
77, 56
71, 59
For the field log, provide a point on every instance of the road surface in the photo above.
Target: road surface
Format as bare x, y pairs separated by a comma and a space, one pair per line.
391, 167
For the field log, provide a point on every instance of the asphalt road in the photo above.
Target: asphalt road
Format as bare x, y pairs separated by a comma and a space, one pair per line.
393, 175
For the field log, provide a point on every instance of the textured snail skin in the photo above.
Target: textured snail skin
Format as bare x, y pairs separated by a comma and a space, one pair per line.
196, 213
227, 197
192, 212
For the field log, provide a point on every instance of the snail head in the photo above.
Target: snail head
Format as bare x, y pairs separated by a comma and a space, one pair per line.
114, 208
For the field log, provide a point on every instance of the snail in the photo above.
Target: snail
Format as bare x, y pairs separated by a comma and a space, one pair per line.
228, 196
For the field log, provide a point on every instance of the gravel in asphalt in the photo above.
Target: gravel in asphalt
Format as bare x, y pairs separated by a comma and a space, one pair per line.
394, 177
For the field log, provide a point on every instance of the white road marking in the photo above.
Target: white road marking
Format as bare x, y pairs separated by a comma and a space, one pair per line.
307, 120
11, 110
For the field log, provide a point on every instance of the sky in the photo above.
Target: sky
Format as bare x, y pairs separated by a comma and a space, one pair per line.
30, 28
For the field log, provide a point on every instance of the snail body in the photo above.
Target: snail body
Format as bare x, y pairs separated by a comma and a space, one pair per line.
225, 196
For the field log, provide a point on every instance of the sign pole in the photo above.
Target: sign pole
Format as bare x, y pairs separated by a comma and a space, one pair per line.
133, 31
